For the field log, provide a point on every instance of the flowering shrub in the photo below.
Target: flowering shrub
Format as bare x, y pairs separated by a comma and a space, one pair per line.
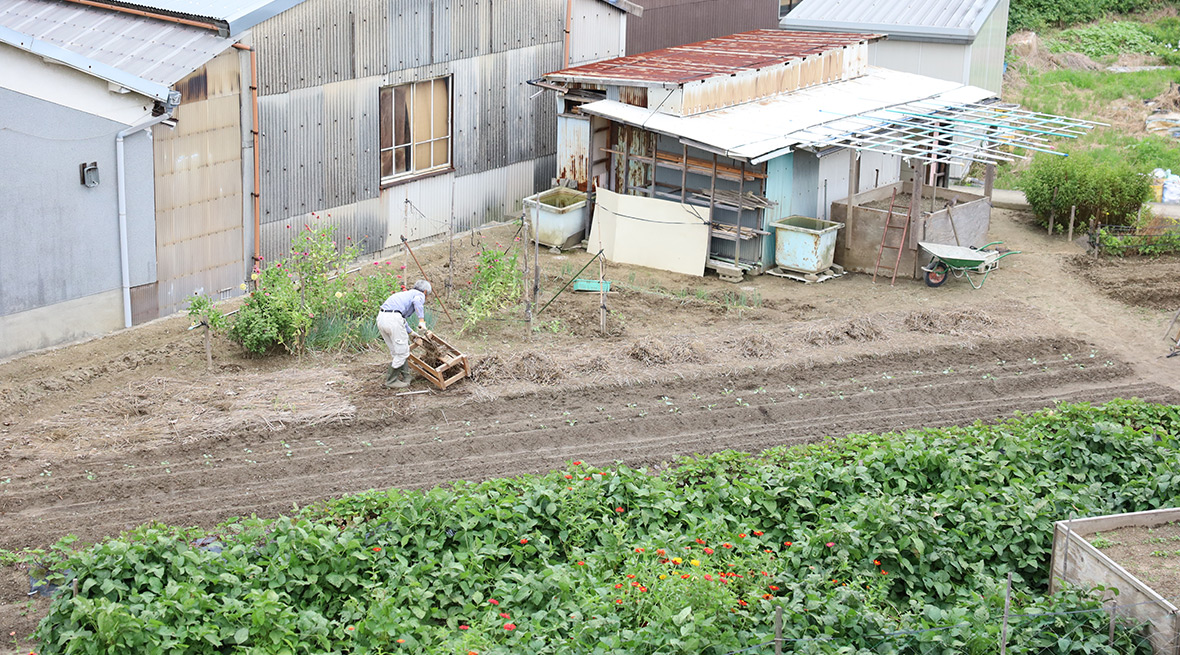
494, 286
306, 300
854, 538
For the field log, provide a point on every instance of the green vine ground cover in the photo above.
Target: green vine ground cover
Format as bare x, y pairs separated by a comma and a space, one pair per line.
854, 537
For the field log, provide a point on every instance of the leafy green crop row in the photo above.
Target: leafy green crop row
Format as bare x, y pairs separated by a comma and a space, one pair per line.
854, 538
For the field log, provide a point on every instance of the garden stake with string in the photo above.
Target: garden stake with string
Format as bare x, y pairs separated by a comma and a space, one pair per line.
424, 277
571, 281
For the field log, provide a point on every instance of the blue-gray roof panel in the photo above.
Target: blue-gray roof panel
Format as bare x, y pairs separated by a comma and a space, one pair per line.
936, 20
153, 50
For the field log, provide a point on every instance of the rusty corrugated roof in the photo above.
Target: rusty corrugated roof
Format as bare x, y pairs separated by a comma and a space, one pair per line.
717, 57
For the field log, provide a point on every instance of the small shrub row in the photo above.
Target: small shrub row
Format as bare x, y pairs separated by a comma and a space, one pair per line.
1109, 192
856, 538
1040, 14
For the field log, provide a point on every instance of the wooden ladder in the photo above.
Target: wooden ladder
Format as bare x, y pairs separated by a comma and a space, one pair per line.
900, 247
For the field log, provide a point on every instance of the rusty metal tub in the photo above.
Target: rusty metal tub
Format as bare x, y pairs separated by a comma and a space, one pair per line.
805, 244
560, 214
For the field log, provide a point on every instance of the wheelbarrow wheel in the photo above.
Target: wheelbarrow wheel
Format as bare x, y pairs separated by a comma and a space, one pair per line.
936, 275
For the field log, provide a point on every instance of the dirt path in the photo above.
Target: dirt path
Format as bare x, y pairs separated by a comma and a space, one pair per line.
103, 436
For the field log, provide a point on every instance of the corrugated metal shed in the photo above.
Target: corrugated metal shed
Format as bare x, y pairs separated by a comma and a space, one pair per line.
948, 21
720, 57
236, 16
755, 130
151, 50
668, 23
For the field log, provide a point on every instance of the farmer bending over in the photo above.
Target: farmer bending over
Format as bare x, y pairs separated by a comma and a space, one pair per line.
391, 322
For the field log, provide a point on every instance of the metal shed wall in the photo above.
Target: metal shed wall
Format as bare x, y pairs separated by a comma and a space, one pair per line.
199, 218
667, 23
321, 66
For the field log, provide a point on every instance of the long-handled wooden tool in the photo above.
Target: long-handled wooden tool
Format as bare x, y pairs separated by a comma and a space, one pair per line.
423, 272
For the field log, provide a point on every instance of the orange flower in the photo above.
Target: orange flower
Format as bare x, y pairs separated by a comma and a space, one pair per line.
758, 533
524, 541
742, 535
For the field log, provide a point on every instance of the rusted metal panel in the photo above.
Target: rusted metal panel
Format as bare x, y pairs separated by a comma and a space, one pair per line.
730, 55
668, 23
573, 149
198, 182
633, 95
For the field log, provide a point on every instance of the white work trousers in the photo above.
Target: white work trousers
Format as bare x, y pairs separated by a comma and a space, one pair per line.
392, 327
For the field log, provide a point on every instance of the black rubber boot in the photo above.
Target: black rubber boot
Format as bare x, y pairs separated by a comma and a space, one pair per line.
402, 377
391, 376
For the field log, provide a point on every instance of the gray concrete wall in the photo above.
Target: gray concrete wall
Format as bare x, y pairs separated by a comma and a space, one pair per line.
62, 238
65, 322
859, 242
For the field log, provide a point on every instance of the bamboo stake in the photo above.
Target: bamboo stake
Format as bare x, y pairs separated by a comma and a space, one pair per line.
536, 261
424, 277
601, 293
1007, 606
1072, 212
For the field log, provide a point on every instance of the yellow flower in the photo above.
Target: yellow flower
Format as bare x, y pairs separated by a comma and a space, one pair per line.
243, 286
339, 294
695, 562
676, 560
663, 577
253, 276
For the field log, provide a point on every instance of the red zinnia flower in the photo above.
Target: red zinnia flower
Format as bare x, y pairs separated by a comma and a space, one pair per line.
758, 533
581, 563
577, 463
376, 549
524, 541
830, 544
619, 601
708, 551
639, 550
708, 577
884, 572
504, 615
877, 562
787, 543
617, 509
631, 576
773, 588
726, 546
742, 603
619, 586
509, 626
742, 535
464, 627
569, 477
660, 551
700, 541
493, 601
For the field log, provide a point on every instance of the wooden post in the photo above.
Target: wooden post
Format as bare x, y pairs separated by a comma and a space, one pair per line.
1072, 212
1007, 606
684, 175
626, 184
853, 177
208, 348
655, 144
524, 270
778, 630
737, 243
915, 211
536, 263
989, 180
602, 293
712, 206
1053, 211
451, 258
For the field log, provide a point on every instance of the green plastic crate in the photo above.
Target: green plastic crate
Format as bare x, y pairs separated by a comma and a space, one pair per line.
591, 285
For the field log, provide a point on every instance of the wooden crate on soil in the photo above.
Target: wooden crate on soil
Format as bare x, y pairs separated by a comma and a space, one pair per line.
439, 362
1077, 561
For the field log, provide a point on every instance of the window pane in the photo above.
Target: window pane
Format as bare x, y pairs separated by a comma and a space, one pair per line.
421, 156
442, 152
386, 163
442, 112
386, 112
401, 123
420, 117
402, 160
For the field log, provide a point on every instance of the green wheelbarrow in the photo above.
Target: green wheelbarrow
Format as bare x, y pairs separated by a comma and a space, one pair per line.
962, 261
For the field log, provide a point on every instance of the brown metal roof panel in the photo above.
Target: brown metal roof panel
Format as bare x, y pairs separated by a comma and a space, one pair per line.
715, 57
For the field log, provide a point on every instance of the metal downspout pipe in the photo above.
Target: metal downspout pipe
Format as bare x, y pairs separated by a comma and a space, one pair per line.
121, 186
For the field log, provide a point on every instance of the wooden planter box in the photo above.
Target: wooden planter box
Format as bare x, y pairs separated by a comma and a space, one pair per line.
439, 362
1077, 562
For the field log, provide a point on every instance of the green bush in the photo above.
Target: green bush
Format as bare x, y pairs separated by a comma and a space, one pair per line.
306, 300
1104, 40
1040, 14
1109, 192
855, 538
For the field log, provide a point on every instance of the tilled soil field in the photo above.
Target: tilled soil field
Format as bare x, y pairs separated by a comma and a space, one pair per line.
106, 435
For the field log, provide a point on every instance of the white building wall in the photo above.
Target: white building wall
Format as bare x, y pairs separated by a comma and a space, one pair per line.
987, 53
944, 61
28, 74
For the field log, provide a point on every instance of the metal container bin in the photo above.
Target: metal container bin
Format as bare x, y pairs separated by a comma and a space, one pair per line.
560, 214
805, 244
